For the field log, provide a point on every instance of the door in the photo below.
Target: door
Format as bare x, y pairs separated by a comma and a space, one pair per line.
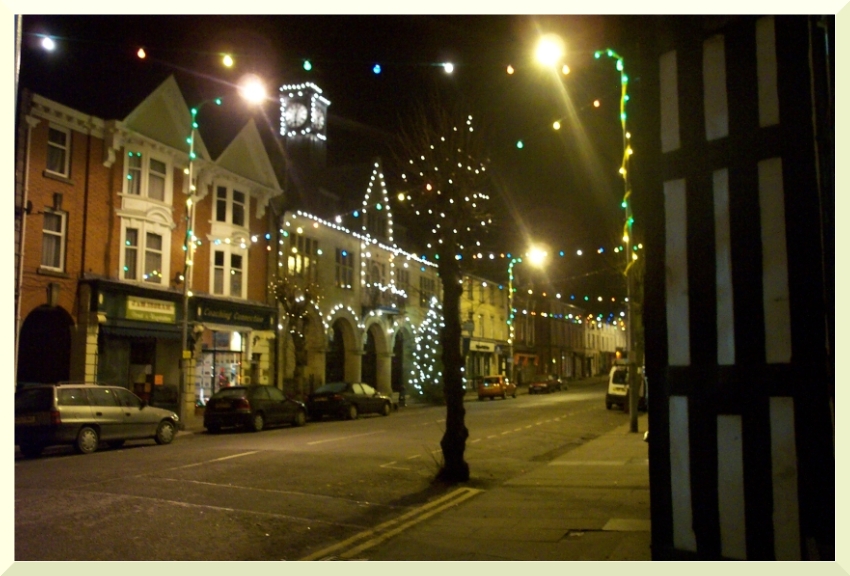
283, 408
372, 402
108, 413
138, 423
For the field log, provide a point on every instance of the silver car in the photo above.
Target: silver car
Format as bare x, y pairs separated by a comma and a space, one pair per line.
83, 415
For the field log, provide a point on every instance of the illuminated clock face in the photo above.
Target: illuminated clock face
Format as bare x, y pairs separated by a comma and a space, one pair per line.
319, 119
295, 114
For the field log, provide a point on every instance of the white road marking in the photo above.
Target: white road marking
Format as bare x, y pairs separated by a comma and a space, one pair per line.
342, 438
215, 460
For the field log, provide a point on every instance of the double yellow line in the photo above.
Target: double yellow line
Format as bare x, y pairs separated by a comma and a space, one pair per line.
387, 530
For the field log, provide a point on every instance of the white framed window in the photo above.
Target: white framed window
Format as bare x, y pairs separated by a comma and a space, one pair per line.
147, 176
231, 206
344, 269
229, 271
59, 150
53, 240
145, 252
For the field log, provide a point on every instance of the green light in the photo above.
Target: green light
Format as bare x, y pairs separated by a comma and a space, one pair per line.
597, 54
624, 79
623, 116
519, 144
626, 97
192, 156
379, 207
610, 52
194, 112
218, 101
189, 140
194, 124
307, 65
129, 176
620, 65
624, 204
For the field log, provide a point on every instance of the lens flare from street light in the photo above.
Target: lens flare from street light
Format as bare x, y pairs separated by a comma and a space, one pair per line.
550, 49
448, 67
536, 256
252, 89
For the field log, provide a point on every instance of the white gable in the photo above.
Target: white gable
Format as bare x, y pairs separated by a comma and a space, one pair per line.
247, 157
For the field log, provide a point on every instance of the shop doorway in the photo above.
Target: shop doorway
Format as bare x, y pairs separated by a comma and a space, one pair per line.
220, 364
44, 351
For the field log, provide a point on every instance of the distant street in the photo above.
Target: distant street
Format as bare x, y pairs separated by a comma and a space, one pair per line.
282, 494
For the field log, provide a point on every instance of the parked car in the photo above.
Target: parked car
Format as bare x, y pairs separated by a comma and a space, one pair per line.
83, 415
347, 400
618, 388
495, 387
253, 407
546, 384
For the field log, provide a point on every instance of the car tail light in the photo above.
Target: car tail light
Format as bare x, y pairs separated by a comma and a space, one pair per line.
55, 418
242, 404
336, 397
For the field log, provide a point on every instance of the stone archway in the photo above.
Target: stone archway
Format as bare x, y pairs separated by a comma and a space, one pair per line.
342, 355
44, 352
402, 362
377, 358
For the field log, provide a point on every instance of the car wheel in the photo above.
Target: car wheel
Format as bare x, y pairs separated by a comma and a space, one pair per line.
608, 405
300, 418
504, 395
514, 394
31, 450
258, 422
164, 432
352, 412
385, 411
87, 440
115, 444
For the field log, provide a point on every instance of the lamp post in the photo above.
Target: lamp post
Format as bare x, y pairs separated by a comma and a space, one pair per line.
536, 257
549, 51
252, 90
634, 381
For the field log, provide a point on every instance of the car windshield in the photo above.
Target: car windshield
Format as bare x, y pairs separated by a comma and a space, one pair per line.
621, 377
236, 392
335, 387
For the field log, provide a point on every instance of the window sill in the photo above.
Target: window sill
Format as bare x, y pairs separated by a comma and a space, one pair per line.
54, 273
58, 177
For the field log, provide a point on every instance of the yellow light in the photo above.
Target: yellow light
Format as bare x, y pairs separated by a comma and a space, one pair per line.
510, 69
141, 53
565, 70
252, 89
401, 196
227, 60
596, 103
549, 49
556, 125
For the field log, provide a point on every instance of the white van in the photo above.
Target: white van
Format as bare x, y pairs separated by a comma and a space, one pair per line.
618, 388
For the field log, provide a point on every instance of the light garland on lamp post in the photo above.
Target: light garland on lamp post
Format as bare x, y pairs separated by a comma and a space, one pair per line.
627, 232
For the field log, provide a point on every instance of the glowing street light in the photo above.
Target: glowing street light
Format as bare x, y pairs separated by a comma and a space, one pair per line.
48, 44
252, 89
536, 257
550, 50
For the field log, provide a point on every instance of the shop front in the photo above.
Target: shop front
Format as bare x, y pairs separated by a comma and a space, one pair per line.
134, 338
233, 344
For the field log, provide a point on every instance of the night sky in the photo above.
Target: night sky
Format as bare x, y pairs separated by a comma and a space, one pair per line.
561, 188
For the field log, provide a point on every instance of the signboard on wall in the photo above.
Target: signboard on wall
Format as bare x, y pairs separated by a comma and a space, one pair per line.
150, 310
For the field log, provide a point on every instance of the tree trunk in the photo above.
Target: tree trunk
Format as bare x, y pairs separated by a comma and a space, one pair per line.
455, 468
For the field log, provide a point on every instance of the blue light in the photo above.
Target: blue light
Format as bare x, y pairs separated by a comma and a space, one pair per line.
268, 236
307, 65
561, 252
376, 69
344, 253
356, 214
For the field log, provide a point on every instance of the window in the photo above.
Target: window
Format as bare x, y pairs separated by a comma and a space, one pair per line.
145, 255
481, 293
147, 176
58, 150
302, 257
53, 240
344, 269
230, 206
376, 273
403, 282
426, 291
228, 273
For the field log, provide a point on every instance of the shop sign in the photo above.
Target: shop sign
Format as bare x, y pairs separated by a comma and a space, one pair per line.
212, 313
150, 310
479, 346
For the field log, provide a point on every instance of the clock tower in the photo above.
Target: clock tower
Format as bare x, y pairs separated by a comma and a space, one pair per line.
303, 126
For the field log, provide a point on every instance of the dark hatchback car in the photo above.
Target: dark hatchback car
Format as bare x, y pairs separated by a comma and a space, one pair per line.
83, 415
545, 385
253, 407
347, 400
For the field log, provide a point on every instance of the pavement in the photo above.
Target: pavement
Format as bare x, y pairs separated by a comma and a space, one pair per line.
589, 504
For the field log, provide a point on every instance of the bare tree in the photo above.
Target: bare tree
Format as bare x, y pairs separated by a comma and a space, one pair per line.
299, 299
442, 160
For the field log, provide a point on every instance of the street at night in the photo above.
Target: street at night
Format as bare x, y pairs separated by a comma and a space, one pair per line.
495, 250
284, 494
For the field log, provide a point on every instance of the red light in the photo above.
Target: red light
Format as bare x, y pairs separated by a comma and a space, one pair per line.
55, 418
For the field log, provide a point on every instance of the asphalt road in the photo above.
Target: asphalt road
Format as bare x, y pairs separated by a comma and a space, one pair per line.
281, 494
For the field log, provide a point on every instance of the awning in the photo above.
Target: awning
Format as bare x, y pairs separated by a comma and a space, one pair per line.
146, 330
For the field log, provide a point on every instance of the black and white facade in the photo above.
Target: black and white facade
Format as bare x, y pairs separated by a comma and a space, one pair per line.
734, 139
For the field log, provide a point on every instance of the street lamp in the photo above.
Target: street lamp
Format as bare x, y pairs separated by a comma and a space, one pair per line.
544, 56
536, 257
252, 90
